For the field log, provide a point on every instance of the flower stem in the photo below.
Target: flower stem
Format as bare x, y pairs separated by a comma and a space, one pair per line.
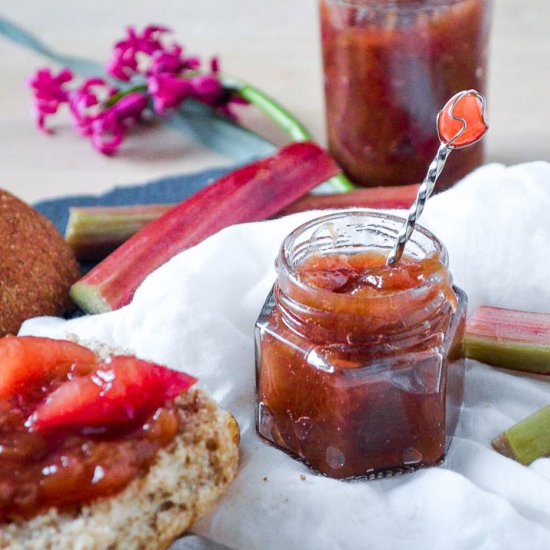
341, 184
121, 93
282, 118
276, 112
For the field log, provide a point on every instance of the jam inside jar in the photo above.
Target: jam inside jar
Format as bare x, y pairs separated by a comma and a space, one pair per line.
360, 367
389, 66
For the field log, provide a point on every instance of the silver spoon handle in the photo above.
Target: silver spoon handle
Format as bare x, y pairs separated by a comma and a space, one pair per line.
424, 192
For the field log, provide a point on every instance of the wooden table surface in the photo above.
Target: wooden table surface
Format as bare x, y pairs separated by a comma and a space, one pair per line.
272, 44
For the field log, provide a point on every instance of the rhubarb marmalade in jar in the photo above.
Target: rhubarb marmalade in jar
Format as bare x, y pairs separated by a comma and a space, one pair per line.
389, 66
360, 366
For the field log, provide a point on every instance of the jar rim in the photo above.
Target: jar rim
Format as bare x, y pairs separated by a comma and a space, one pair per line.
284, 260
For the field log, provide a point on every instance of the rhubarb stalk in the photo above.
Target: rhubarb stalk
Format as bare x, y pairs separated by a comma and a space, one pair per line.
527, 440
94, 232
510, 339
254, 192
371, 197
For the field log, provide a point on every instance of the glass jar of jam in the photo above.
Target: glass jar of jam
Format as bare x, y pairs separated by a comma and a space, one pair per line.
360, 366
390, 65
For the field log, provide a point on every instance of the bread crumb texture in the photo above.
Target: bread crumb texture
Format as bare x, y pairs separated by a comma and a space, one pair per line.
37, 266
187, 478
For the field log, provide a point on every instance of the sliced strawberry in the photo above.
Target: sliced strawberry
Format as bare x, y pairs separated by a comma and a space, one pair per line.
25, 359
121, 389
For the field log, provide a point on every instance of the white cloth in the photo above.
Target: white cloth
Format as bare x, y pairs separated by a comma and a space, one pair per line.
197, 313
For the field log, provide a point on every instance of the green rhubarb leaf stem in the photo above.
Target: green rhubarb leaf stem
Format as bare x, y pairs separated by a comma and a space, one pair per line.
527, 440
94, 232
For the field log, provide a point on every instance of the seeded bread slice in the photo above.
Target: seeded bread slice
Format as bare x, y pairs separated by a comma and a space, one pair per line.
187, 478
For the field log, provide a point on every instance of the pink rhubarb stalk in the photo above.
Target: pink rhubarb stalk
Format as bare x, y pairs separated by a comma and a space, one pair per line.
254, 192
371, 197
510, 339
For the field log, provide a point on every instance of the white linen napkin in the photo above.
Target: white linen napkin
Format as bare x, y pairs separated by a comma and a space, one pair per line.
196, 313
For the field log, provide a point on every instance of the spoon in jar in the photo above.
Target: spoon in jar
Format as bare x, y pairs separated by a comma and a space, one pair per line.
459, 124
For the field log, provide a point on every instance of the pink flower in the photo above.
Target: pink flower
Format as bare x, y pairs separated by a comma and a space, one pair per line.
85, 101
107, 132
216, 95
106, 126
171, 61
215, 65
168, 91
163, 59
109, 126
49, 94
208, 89
149, 41
104, 112
130, 107
123, 63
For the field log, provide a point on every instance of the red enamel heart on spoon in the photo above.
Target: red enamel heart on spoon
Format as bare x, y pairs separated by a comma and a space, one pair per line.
462, 121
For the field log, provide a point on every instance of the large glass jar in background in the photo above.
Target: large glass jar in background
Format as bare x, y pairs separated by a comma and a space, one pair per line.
390, 66
360, 376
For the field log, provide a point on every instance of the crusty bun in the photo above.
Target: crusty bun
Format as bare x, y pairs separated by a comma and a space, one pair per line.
186, 479
37, 267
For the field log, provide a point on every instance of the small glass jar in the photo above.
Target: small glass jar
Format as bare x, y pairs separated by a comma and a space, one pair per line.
390, 66
360, 385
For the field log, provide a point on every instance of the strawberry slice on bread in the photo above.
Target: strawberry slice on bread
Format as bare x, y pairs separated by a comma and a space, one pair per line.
121, 389
28, 359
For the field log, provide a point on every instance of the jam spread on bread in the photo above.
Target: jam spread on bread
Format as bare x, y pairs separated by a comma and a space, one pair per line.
73, 426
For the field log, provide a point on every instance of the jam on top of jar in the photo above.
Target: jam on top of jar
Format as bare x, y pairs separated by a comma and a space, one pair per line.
74, 427
365, 274
336, 292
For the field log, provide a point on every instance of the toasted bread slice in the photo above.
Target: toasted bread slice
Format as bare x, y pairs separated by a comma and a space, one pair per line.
187, 478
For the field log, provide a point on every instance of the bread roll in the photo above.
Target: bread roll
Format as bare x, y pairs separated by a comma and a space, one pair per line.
37, 267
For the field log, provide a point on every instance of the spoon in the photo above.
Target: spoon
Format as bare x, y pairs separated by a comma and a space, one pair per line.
459, 124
